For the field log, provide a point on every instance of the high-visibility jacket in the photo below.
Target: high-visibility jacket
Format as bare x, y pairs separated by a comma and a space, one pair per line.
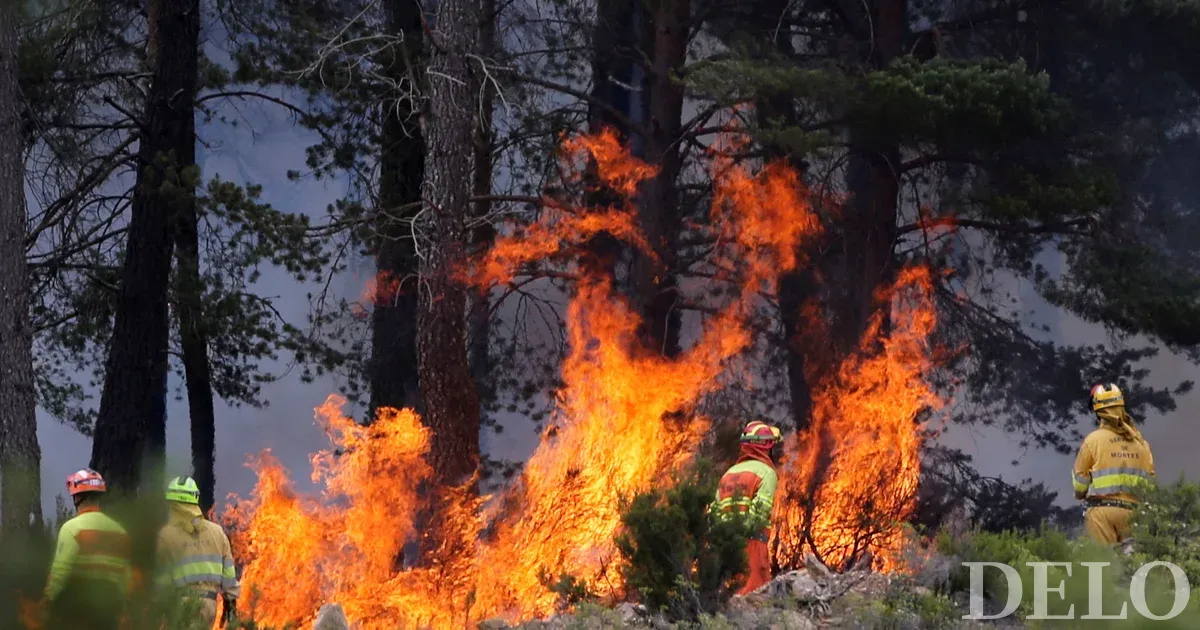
1110, 466
194, 552
92, 548
748, 487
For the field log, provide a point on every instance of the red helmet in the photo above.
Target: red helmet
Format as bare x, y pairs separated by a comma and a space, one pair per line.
760, 433
85, 480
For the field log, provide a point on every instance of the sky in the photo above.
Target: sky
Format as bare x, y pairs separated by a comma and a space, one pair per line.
266, 145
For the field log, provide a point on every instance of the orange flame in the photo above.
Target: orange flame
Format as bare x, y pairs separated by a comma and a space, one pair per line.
299, 552
382, 288
858, 463
561, 227
623, 422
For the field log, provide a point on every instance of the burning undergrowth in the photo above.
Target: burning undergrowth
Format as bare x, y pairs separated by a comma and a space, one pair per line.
622, 423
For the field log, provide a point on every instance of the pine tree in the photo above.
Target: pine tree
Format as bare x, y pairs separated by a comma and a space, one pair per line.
131, 425
450, 395
20, 455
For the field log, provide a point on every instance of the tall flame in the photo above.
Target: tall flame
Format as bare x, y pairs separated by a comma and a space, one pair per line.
623, 422
852, 475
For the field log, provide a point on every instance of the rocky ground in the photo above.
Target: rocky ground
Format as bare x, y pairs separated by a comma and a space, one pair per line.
807, 599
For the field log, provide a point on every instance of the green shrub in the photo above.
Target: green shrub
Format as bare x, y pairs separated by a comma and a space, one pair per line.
1167, 527
1016, 550
905, 608
676, 558
1011, 548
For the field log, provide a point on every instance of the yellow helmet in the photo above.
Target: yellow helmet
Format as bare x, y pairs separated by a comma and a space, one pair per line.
183, 490
1106, 395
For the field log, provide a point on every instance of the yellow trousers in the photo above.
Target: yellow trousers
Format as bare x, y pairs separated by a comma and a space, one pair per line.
1106, 524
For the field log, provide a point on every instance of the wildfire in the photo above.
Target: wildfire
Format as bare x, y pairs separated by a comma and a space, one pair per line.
300, 552
852, 475
623, 422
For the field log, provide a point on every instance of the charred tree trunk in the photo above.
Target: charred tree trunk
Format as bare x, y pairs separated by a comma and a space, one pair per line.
869, 233
451, 399
654, 282
864, 258
484, 234
131, 424
798, 287
393, 369
20, 457
869, 239
615, 42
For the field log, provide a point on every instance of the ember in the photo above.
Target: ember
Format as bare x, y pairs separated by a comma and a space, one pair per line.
617, 430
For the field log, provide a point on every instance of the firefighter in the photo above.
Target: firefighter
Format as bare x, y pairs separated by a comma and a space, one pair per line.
748, 488
1113, 463
194, 553
90, 577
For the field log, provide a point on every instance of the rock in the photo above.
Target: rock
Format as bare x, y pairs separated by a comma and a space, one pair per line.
817, 568
492, 624
631, 612
797, 584
331, 617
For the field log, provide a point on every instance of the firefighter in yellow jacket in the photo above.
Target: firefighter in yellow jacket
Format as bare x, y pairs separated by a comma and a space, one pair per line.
90, 577
194, 553
748, 487
1113, 463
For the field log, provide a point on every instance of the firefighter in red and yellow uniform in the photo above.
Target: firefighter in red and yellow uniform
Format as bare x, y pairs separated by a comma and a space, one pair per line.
748, 487
90, 577
1113, 463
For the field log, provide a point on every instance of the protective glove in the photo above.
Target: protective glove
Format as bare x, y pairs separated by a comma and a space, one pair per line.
230, 607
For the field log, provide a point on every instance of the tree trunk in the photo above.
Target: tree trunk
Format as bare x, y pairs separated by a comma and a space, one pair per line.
20, 457
869, 240
451, 399
393, 369
796, 288
131, 425
615, 42
193, 334
799, 286
869, 234
484, 234
654, 282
